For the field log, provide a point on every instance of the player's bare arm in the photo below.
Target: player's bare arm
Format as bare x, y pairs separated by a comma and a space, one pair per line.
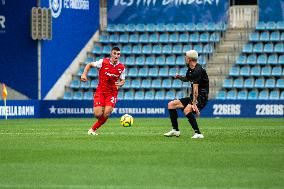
182, 78
194, 99
120, 83
86, 71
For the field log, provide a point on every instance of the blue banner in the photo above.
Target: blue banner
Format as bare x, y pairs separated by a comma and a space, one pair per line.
18, 54
167, 11
271, 10
140, 108
74, 23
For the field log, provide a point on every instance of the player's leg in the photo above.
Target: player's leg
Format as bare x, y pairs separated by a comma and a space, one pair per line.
99, 102
172, 108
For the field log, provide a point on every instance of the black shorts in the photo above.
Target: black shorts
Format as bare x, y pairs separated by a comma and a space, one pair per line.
201, 101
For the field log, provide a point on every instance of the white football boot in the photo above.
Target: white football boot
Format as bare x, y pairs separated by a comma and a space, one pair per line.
196, 135
92, 132
171, 133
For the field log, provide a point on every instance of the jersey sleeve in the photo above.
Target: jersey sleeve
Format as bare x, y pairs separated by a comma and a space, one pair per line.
97, 64
122, 75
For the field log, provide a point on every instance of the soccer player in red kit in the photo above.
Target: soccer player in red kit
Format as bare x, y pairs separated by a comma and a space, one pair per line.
111, 78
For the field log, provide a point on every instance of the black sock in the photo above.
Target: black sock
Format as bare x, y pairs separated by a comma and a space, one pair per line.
174, 116
193, 123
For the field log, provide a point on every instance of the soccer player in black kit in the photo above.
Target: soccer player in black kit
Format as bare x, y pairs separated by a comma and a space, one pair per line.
193, 104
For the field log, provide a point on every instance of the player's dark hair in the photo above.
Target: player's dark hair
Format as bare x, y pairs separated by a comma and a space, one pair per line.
115, 48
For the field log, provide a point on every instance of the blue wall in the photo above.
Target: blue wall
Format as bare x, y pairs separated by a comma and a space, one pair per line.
167, 11
18, 52
271, 10
71, 31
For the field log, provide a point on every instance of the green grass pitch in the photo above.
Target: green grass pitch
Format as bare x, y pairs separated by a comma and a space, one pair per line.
58, 153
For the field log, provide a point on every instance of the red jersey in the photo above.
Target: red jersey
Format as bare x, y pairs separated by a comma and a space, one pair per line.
109, 74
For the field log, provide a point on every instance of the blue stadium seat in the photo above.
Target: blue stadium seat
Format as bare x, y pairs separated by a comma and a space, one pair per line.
262, 59
88, 95
140, 27
140, 60
135, 84
180, 60
81, 70
208, 48
204, 37
200, 27
214, 37
272, 59
249, 83
160, 95
133, 38
130, 60
264, 36
130, 28
139, 95
93, 72
247, 48
176, 84
150, 27
126, 84
255, 71
85, 85
120, 94
173, 71
260, 26
282, 36
173, 38
170, 27
259, 83
164, 72
280, 83
160, 60
263, 95
234, 71
275, 36
281, 60
231, 94
126, 49
242, 95
190, 27
153, 72
177, 49
270, 83
184, 38
143, 72
156, 83
164, 38
241, 60
144, 38
238, 83
276, 71
170, 95
104, 39
180, 94
211, 27
157, 49
110, 28
251, 59
167, 49
170, 60
194, 38
94, 84
221, 95
120, 28
279, 48
254, 36
266, 71
253, 95
133, 72
150, 60
160, 27
202, 60
274, 95
75, 84
129, 95
114, 38
268, 48
198, 48
282, 95
180, 27
78, 95
149, 95
183, 71
68, 95
146, 83
280, 25
258, 48
137, 49
167, 84
228, 83
147, 49
186, 48
97, 49
270, 25
106, 49
123, 38
154, 38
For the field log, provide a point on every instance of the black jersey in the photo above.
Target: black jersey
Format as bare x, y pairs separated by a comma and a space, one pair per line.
198, 76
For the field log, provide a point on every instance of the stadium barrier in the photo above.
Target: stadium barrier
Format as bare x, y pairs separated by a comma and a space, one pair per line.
138, 108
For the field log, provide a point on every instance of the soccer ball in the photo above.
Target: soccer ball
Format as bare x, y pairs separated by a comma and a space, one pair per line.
126, 120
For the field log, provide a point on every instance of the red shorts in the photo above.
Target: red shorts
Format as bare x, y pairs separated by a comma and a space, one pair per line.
103, 99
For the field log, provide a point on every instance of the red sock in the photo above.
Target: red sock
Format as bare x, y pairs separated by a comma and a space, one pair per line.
99, 123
